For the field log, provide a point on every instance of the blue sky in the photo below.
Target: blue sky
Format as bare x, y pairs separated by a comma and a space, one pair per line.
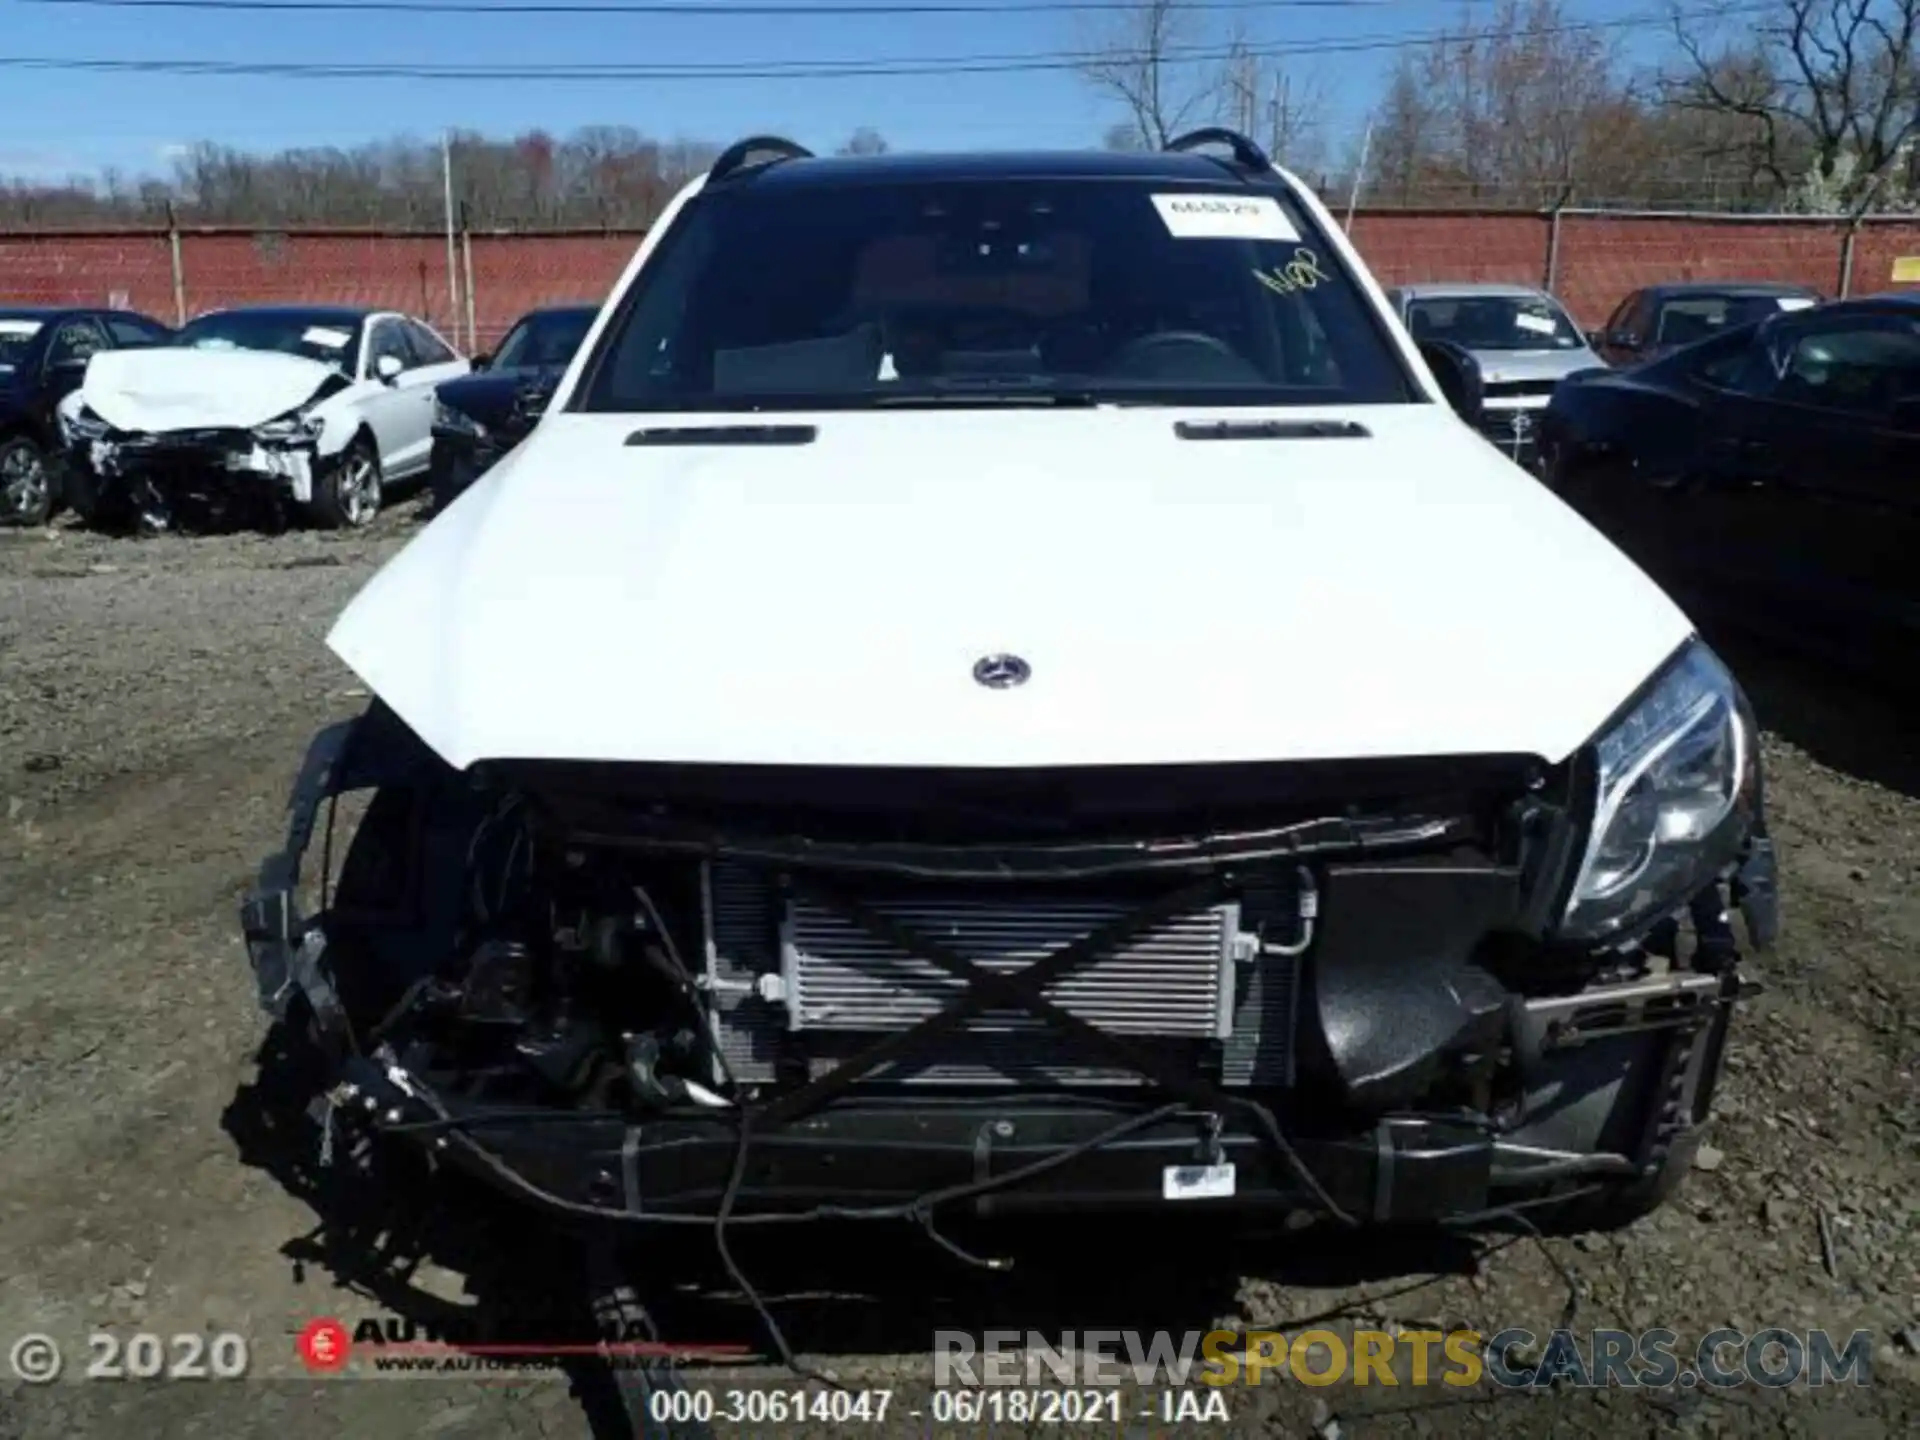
64, 122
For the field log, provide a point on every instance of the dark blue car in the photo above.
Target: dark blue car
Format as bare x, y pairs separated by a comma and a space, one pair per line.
43, 356
480, 417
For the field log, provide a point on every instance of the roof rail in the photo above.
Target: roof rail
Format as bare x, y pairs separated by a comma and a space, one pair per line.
736, 157
1245, 152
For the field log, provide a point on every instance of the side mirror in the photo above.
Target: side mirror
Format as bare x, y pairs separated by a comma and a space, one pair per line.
1459, 377
482, 360
388, 368
1596, 339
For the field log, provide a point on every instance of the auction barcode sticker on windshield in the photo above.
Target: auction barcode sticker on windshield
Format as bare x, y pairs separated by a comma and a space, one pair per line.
1224, 217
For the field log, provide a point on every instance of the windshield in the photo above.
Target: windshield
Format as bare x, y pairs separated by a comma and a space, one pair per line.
800, 296
540, 341
324, 337
1695, 317
1493, 322
16, 337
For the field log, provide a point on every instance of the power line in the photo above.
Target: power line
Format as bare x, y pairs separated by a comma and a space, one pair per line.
723, 8
804, 70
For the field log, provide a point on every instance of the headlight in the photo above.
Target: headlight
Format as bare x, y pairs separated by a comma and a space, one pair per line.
290, 428
1674, 797
445, 417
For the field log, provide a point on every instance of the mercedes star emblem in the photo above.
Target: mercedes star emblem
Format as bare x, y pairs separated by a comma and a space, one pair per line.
1001, 672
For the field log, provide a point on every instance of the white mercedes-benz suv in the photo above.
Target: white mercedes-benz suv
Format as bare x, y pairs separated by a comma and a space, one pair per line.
1006, 681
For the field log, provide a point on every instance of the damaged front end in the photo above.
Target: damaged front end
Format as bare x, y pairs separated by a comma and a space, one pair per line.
1381, 990
205, 475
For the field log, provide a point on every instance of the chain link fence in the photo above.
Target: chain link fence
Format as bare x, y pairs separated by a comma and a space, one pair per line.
473, 288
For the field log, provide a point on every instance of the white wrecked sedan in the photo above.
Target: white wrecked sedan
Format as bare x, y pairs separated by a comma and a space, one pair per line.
272, 412
1002, 681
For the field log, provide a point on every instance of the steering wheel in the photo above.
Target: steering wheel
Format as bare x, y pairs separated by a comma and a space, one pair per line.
1151, 347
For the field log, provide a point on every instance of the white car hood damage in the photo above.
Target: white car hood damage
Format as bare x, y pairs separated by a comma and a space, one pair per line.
157, 390
1407, 594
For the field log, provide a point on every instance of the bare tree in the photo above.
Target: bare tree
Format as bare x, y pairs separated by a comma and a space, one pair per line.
864, 141
605, 176
1403, 153
1524, 109
1822, 91
1143, 59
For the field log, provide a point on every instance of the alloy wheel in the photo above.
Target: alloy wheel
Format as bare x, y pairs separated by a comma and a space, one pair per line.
360, 490
23, 480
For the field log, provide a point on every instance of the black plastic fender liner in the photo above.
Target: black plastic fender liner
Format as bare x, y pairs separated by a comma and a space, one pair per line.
1394, 986
270, 917
373, 749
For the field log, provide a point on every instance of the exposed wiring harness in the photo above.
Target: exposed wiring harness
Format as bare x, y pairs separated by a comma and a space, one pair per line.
920, 1209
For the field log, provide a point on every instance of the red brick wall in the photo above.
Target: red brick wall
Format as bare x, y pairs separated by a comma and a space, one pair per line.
1405, 246
394, 272
1601, 257
88, 269
514, 273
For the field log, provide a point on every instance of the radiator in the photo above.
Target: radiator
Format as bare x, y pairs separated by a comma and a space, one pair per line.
798, 987
1172, 980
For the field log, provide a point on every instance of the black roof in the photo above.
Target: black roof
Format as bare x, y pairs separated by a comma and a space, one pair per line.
348, 314
1732, 287
47, 312
897, 169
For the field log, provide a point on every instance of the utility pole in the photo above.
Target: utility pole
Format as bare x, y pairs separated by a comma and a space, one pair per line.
453, 281
1243, 79
1359, 175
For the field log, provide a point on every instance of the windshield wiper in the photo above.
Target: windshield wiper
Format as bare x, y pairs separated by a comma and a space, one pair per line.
986, 390
986, 395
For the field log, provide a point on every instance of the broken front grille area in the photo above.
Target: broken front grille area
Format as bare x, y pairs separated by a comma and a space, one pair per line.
798, 987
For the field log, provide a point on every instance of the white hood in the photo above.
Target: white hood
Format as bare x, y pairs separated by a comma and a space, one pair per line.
1177, 600
161, 389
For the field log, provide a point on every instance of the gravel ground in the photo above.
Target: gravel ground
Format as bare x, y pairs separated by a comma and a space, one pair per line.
154, 700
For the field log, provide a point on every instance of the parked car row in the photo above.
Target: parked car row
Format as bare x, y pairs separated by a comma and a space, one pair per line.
1525, 342
260, 413
1748, 444
1765, 474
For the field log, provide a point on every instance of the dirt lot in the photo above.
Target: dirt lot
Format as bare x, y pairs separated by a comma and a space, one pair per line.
154, 699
